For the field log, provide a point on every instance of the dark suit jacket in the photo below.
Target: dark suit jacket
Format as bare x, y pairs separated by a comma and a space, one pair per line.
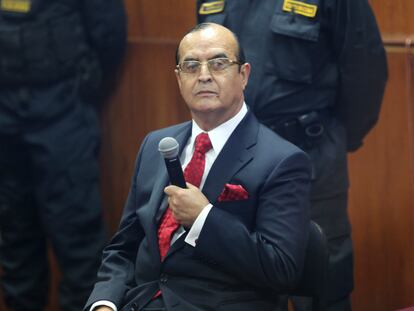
246, 251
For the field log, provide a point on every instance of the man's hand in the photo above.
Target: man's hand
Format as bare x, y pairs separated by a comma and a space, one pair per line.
186, 204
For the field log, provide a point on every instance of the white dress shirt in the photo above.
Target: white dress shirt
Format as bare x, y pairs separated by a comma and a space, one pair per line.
218, 137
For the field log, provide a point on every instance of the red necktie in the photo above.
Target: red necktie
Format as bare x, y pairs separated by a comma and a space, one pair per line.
193, 174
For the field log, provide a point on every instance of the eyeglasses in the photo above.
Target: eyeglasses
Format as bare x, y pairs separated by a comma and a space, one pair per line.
214, 65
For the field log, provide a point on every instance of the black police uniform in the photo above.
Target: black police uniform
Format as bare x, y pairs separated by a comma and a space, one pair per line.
318, 76
53, 56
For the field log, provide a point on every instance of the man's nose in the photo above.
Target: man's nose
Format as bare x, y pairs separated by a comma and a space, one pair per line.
205, 74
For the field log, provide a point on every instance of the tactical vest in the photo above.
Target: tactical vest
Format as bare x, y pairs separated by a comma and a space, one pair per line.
40, 40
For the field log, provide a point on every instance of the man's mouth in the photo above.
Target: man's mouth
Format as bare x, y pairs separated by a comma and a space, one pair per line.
206, 93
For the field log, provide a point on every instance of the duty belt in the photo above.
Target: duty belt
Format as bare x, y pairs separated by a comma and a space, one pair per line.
304, 130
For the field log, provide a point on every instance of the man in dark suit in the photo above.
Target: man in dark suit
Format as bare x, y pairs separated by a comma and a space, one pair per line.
238, 240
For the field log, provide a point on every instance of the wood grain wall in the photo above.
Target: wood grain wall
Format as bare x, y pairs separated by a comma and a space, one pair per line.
382, 173
382, 177
382, 197
394, 16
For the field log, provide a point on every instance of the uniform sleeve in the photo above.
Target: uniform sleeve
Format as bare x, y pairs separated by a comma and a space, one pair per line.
362, 66
106, 25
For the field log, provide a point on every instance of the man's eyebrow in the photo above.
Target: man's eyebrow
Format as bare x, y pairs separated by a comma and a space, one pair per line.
189, 59
219, 55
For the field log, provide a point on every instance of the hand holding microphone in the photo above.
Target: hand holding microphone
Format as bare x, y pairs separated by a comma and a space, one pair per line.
186, 204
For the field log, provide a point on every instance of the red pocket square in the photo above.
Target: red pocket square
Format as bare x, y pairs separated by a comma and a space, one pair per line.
233, 193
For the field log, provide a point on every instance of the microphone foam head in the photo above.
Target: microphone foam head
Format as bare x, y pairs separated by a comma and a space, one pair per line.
168, 147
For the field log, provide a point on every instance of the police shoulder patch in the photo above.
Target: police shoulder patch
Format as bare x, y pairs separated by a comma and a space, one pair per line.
300, 8
15, 6
211, 7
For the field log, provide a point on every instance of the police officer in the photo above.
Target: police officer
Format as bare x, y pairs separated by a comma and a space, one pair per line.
54, 57
318, 77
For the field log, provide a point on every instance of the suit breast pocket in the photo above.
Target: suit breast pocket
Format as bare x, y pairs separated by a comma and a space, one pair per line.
294, 46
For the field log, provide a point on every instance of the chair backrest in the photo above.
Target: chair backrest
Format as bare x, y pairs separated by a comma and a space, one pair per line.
313, 282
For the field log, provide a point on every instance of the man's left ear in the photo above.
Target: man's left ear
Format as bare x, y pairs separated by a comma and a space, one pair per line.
245, 73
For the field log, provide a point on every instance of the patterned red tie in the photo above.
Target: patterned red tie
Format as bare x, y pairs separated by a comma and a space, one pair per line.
193, 174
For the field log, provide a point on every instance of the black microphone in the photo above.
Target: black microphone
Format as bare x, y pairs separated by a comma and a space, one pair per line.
169, 149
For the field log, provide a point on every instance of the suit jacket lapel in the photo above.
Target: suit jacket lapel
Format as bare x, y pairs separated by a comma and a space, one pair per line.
178, 244
236, 153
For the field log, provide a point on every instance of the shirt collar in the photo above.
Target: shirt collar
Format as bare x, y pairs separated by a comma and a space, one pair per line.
220, 134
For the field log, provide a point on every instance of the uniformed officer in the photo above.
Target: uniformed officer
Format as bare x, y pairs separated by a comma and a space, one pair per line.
54, 56
318, 77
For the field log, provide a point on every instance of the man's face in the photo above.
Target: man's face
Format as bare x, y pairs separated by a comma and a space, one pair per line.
212, 97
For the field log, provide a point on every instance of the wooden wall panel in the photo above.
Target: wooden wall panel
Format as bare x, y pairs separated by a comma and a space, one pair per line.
394, 16
382, 200
160, 19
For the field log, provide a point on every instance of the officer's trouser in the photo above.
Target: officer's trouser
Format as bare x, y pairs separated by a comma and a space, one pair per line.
49, 192
329, 198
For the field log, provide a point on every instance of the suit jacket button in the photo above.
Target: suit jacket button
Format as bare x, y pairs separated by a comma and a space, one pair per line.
163, 278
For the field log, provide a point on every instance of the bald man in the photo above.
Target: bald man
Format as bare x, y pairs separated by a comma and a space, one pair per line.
236, 235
